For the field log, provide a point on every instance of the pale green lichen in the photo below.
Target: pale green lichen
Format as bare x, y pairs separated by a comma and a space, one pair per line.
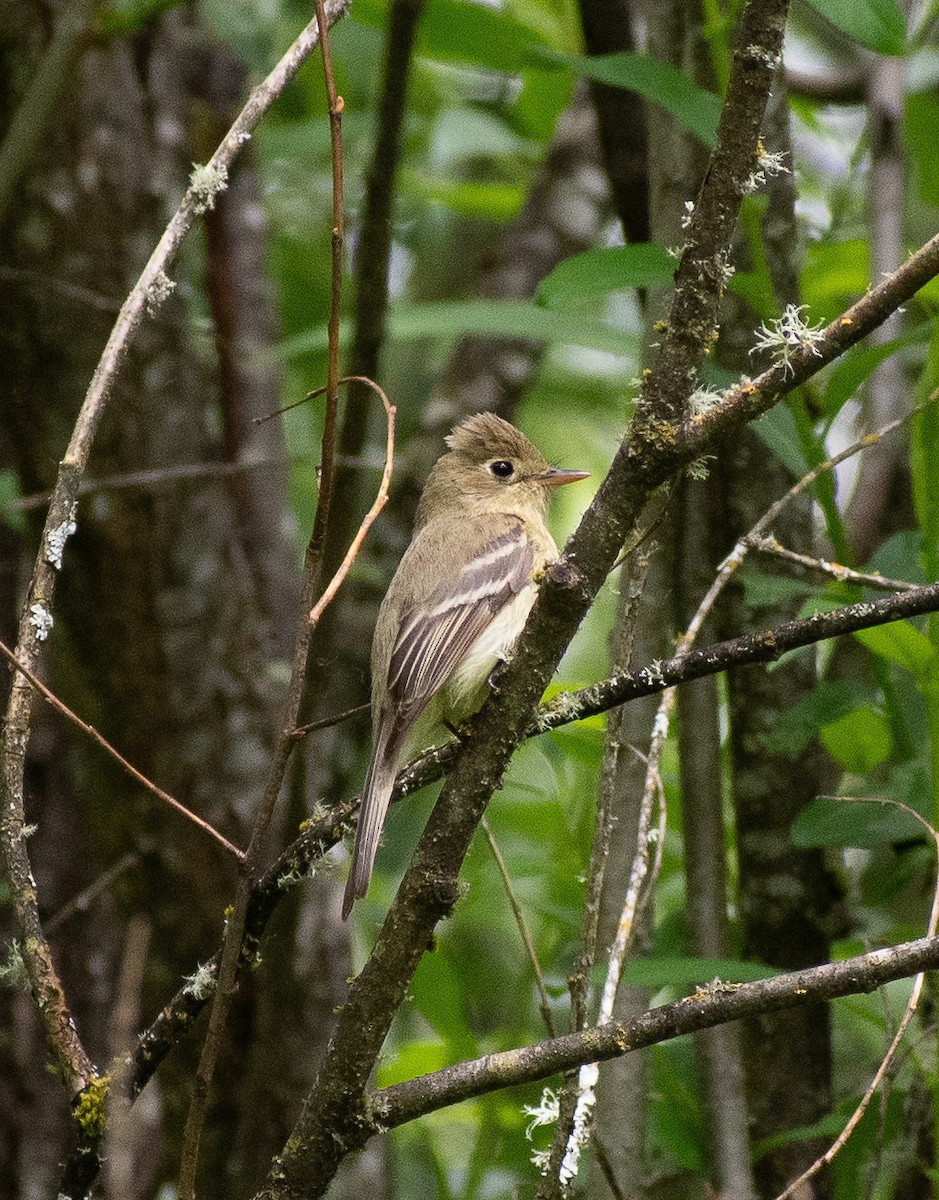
205, 183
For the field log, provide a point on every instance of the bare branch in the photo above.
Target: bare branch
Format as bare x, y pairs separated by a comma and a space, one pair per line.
769, 546
522, 927
379, 503
51, 698
714, 1004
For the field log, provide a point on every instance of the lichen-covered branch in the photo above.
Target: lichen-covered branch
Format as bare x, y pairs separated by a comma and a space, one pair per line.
713, 1004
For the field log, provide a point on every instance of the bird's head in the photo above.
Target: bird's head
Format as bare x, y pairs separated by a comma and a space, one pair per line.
491, 467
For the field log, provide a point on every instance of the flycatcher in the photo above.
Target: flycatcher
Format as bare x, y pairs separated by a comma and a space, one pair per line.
456, 606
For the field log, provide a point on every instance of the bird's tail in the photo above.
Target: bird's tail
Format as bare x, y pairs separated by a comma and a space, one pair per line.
376, 796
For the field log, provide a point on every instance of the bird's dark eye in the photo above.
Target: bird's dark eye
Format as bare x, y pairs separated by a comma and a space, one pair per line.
501, 468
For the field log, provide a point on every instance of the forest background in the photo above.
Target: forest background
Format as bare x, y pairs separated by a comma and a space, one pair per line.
543, 217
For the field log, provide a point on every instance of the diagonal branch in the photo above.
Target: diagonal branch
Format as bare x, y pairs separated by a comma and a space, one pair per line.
713, 1004
52, 699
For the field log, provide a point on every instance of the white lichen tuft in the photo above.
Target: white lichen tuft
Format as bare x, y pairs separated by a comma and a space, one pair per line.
688, 214
205, 183
653, 672
761, 54
787, 334
201, 983
41, 620
542, 1160
768, 166
159, 291
703, 399
57, 537
545, 1112
294, 876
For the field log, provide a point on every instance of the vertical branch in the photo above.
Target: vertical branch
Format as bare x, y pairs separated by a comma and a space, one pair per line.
327, 460
703, 268
373, 242
312, 575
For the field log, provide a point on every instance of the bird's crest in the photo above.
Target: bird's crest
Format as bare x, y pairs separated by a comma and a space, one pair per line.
485, 435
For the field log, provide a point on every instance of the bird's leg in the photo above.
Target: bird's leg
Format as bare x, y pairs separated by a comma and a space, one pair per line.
492, 680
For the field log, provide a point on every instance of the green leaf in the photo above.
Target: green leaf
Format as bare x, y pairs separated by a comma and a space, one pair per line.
127, 16
925, 446
877, 24
851, 372
414, 1058
676, 1123
437, 992
859, 741
495, 201
616, 268
834, 276
777, 429
826, 703
828, 821
899, 557
763, 590
13, 518
751, 287
693, 107
921, 120
457, 31
498, 318
900, 643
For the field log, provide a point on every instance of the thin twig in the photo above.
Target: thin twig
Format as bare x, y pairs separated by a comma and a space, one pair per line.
380, 500
522, 927
60, 706
153, 478
864, 1102
327, 722
336, 105
82, 901
769, 545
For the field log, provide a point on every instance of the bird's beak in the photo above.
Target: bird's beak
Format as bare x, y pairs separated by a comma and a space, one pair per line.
557, 478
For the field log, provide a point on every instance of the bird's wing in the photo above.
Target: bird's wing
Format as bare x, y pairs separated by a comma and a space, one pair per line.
435, 635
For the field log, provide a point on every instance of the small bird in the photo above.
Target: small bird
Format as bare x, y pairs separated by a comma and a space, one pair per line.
456, 605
